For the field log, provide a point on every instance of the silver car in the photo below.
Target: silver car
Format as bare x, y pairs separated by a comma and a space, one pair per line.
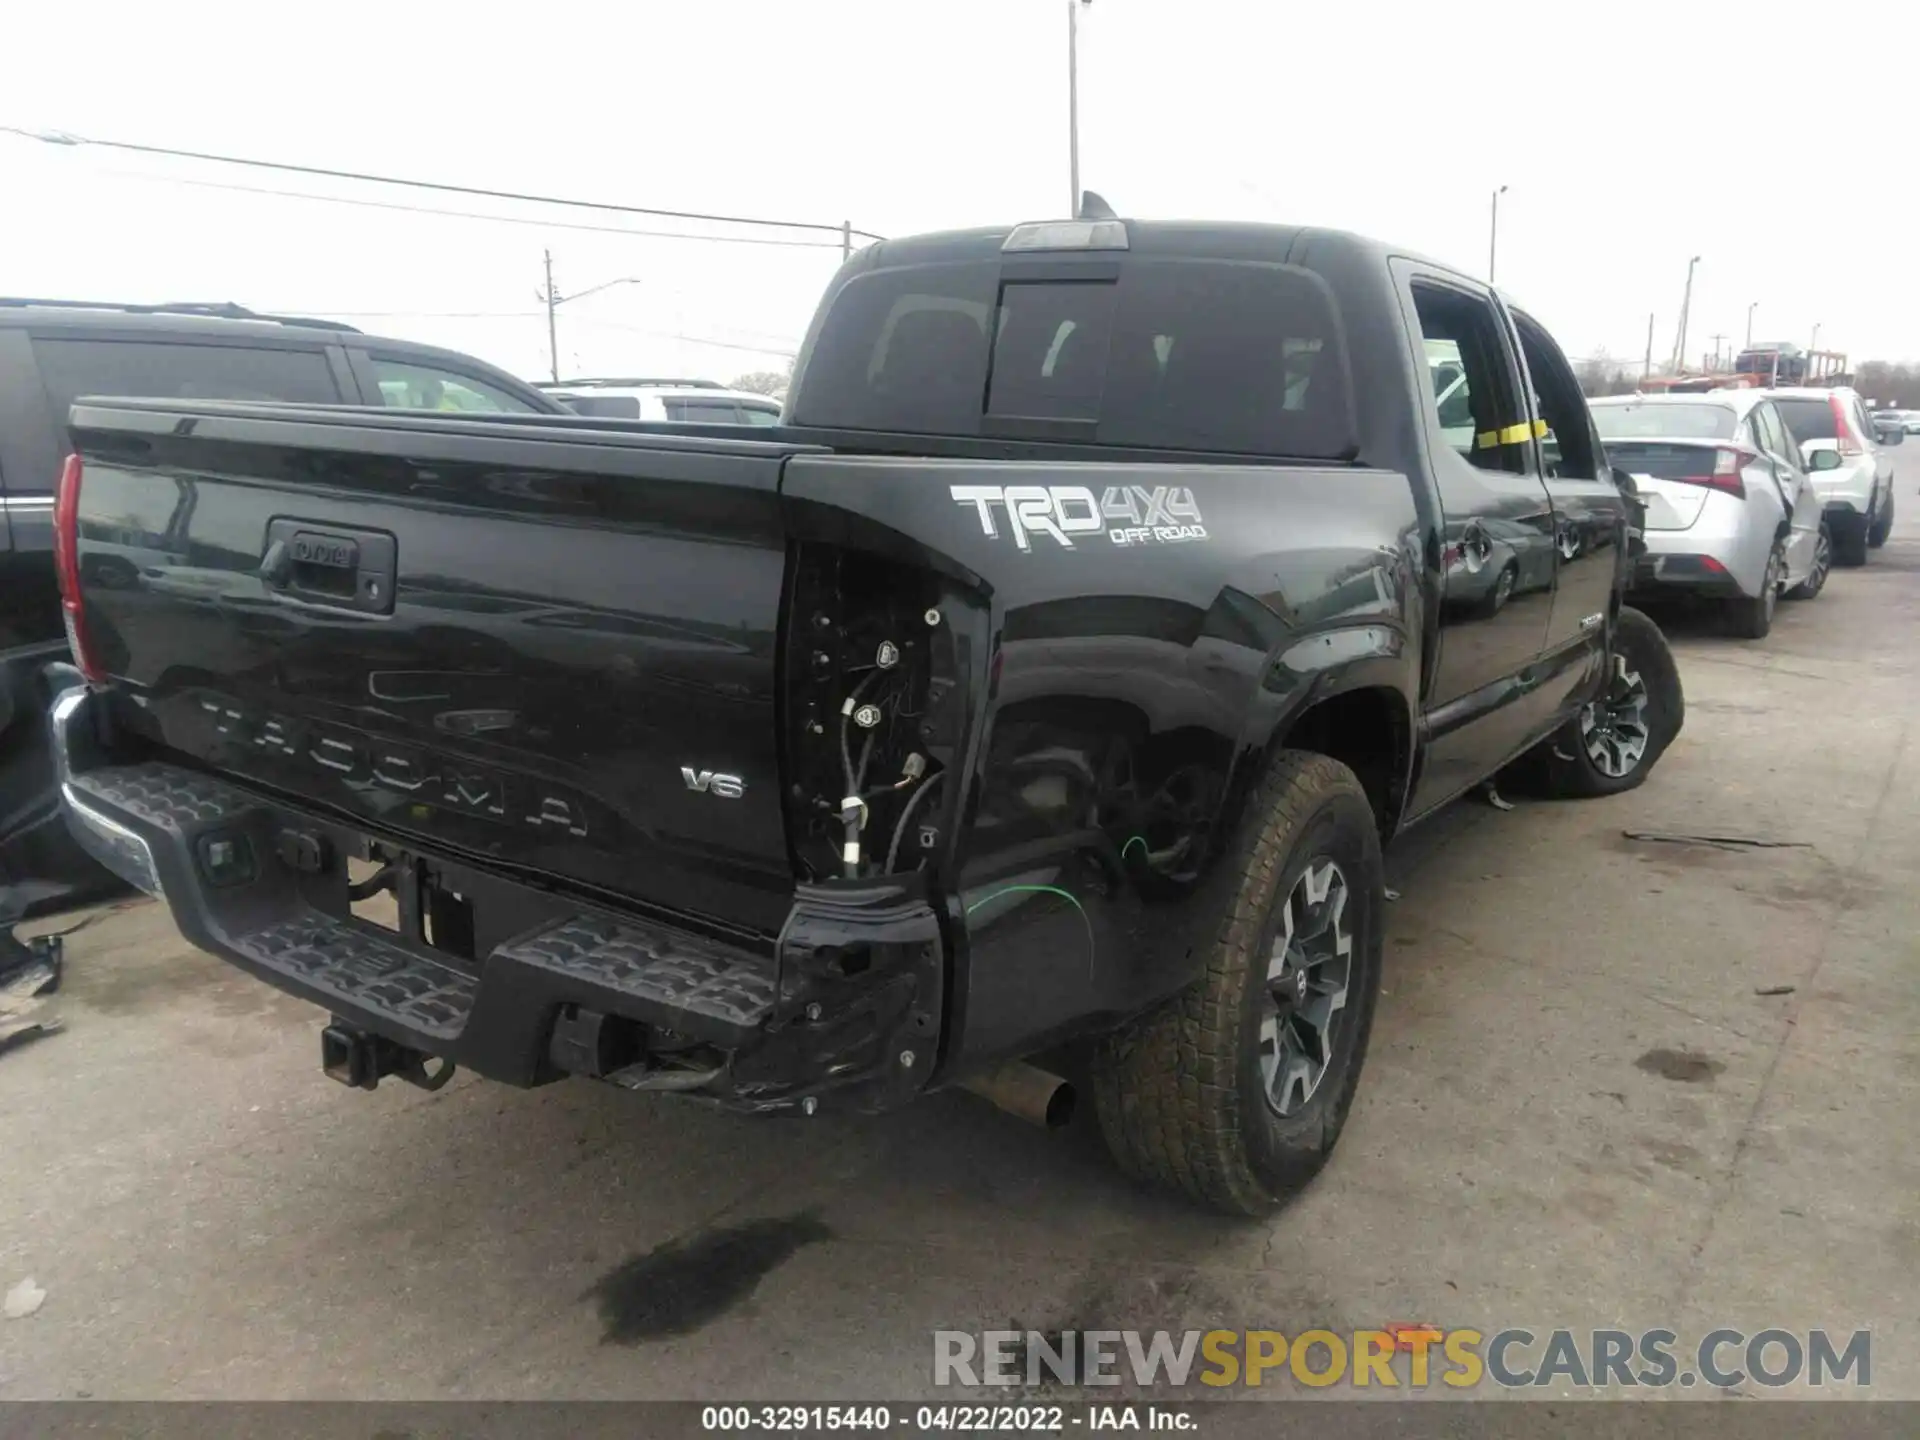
1732, 514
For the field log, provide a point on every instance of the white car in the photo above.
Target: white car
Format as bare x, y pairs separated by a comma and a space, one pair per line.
1732, 515
1851, 464
679, 402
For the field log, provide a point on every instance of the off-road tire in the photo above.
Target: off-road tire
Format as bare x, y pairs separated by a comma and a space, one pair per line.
1178, 1091
1561, 767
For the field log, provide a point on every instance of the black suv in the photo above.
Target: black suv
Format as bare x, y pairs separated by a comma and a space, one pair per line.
53, 351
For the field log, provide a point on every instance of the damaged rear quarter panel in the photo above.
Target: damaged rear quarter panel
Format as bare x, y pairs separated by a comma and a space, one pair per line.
1131, 683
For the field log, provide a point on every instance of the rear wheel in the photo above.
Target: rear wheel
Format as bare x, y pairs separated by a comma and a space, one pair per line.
1751, 619
1816, 580
1882, 526
1849, 540
1503, 588
1235, 1090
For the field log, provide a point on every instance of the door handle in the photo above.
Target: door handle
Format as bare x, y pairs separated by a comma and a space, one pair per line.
331, 565
276, 566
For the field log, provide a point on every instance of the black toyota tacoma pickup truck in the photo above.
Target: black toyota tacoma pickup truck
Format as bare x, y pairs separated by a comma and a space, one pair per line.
1055, 673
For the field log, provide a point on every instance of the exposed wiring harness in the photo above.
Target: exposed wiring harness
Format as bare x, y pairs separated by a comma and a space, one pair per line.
906, 816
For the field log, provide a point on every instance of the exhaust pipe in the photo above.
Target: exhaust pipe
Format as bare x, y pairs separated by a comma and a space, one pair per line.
1026, 1091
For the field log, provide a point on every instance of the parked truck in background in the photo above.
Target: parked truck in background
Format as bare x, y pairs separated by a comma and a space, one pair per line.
1113, 593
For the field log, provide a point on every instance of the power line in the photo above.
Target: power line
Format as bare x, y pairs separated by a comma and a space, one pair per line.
323, 311
477, 215
787, 354
63, 138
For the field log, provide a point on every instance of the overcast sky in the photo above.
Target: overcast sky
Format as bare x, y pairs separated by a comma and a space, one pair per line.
902, 116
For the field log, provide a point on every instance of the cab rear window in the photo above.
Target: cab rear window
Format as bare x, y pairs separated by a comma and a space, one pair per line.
1166, 354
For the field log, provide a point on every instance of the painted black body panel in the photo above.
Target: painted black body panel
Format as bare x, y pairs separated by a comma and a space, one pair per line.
584, 612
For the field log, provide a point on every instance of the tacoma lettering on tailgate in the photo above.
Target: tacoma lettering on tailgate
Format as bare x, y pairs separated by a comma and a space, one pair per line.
409, 771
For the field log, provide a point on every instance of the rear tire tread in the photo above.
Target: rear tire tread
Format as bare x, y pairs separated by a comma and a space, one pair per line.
1166, 1088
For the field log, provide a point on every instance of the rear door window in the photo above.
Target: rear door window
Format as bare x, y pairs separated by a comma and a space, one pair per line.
1567, 446
1161, 354
409, 385
181, 370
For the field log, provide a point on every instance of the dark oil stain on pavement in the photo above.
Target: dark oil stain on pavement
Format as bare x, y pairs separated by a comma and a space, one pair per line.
684, 1285
1686, 1066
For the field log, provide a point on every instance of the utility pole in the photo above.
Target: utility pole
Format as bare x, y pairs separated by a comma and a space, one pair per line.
1493, 234
553, 300
1073, 102
846, 241
1715, 366
1750, 309
1686, 304
1647, 369
553, 343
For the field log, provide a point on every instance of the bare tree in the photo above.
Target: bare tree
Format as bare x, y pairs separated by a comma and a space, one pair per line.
1601, 374
765, 382
1890, 383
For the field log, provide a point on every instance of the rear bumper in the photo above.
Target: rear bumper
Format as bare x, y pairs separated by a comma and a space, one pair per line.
1681, 574
1723, 553
844, 1010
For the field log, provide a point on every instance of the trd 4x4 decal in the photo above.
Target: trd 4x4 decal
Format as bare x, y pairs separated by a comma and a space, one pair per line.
1146, 515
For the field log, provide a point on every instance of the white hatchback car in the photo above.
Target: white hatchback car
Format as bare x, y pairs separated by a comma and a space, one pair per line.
1731, 513
679, 402
1848, 456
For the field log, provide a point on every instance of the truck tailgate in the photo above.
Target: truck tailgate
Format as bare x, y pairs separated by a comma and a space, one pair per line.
550, 649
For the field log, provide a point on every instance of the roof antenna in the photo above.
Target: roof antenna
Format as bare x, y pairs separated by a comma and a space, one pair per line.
1092, 207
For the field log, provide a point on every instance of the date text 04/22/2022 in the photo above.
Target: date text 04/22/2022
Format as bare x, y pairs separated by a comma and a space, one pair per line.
926, 1419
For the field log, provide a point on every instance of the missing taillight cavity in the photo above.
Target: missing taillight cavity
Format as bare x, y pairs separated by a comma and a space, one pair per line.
871, 681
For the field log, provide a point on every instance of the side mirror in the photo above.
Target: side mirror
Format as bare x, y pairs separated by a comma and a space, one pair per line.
1824, 460
1893, 435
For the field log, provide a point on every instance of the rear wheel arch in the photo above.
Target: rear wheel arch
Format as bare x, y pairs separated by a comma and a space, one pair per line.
1367, 728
